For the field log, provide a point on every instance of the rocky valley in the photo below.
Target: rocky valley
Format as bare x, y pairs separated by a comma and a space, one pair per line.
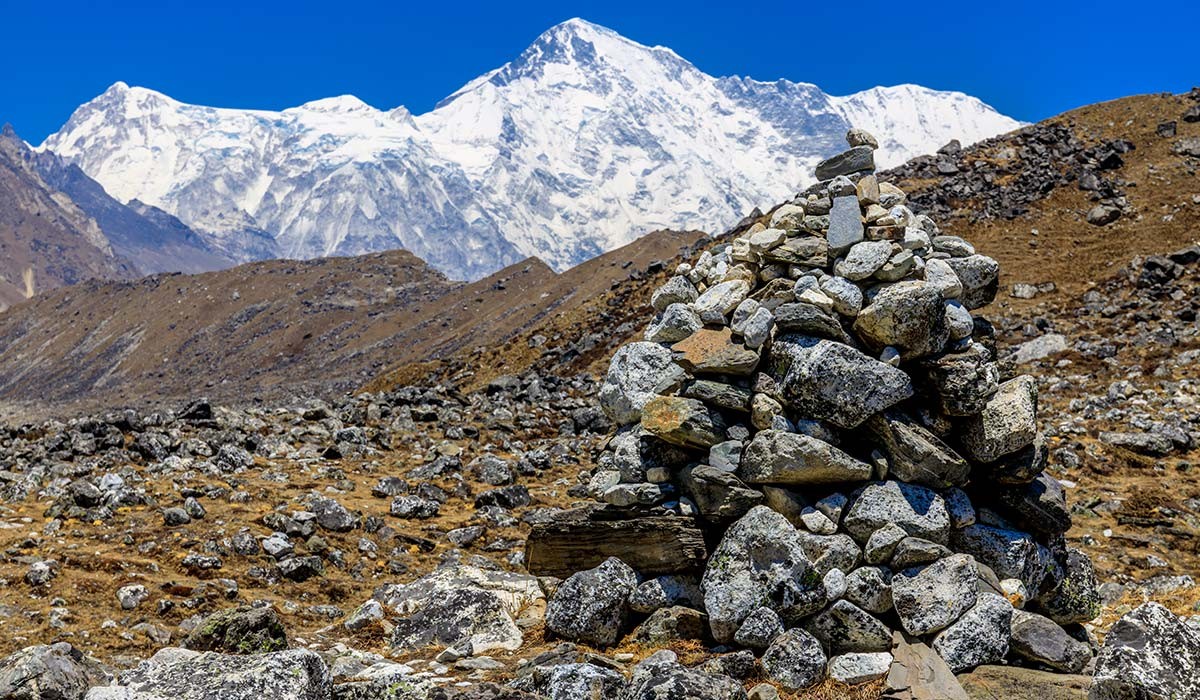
928, 432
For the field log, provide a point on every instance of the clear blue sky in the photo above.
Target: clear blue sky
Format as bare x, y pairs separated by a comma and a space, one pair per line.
1030, 60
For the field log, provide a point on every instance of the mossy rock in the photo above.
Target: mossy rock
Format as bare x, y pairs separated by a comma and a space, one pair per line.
241, 630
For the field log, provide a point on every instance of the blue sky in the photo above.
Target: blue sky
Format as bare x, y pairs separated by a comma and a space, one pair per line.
1030, 60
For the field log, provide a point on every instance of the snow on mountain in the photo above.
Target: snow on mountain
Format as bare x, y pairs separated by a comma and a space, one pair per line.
584, 142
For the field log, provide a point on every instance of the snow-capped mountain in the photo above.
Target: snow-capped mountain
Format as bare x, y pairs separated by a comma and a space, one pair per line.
584, 142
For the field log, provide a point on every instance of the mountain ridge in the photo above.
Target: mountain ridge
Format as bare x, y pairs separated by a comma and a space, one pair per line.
580, 144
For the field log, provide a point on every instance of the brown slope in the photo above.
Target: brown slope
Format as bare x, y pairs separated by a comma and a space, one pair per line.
278, 327
45, 240
1160, 186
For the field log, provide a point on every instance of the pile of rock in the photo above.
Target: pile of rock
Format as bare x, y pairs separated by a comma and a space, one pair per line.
818, 396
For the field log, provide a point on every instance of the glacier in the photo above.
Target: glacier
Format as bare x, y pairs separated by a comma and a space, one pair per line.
581, 144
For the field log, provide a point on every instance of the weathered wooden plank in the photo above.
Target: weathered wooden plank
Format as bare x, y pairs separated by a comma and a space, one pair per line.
652, 546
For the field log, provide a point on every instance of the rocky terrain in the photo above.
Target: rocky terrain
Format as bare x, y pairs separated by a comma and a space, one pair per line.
394, 522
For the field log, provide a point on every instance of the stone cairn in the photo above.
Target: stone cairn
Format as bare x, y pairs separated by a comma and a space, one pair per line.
816, 396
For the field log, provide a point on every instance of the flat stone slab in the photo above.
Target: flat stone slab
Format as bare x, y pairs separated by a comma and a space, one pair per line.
651, 546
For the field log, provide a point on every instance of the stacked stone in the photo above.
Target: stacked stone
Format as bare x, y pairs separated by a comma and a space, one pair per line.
817, 393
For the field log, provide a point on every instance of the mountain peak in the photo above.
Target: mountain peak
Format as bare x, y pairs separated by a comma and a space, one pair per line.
339, 104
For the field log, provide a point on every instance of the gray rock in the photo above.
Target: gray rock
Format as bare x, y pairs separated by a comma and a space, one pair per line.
1007, 423
677, 290
856, 668
777, 457
1103, 214
979, 637
664, 592
845, 627
826, 380
1039, 348
980, 278
915, 509
857, 159
658, 680
931, 598
915, 551
916, 455
861, 137
180, 674
908, 315
591, 606
678, 321
638, 372
132, 596
759, 629
1038, 639
666, 625
863, 260
795, 660
882, 543
1040, 505
845, 224
332, 516
718, 300
1076, 597
870, 588
1009, 553
959, 321
809, 320
569, 681
942, 277
718, 494
49, 672
828, 552
1152, 444
847, 297
1149, 653
963, 382
240, 630
759, 562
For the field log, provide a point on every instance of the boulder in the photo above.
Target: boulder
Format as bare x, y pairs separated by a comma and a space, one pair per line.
592, 606
845, 627
856, 668
962, 382
241, 630
1040, 505
914, 454
826, 380
1076, 597
657, 680
719, 495
931, 598
638, 372
759, 563
469, 620
718, 300
980, 279
1017, 683
854, 160
1006, 424
792, 459
979, 637
907, 315
845, 224
1149, 653
182, 674
795, 660
915, 509
1038, 639
1009, 553
49, 672
711, 351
